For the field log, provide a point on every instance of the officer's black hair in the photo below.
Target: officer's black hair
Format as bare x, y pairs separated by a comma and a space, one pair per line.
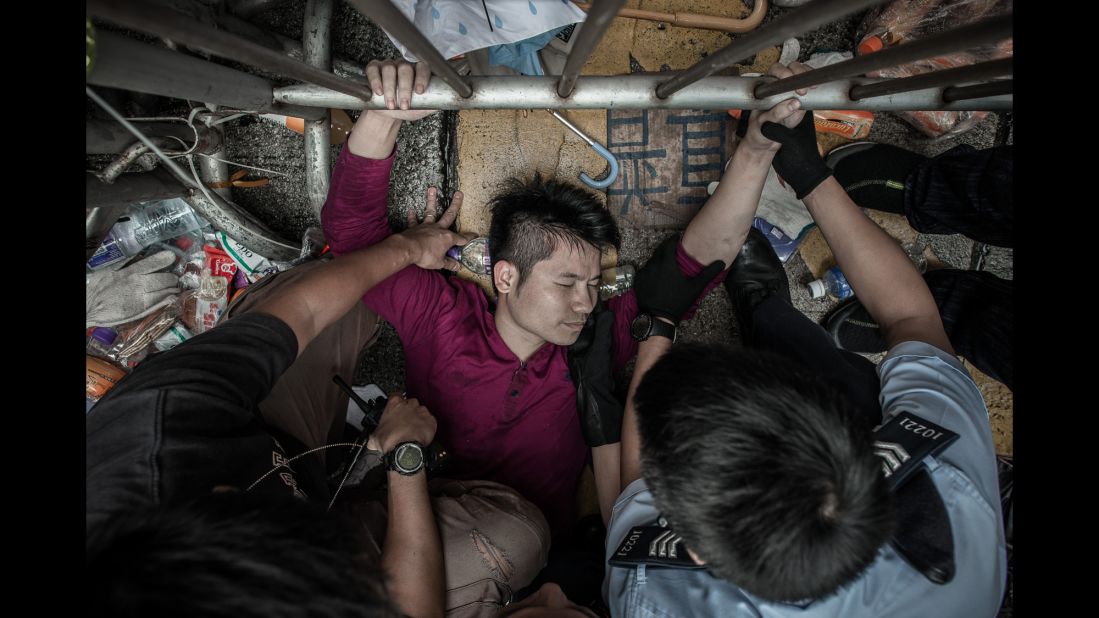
229, 555
763, 469
531, 218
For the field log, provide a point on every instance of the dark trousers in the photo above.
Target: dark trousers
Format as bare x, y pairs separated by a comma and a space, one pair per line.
978, 314
964, 191
968, 191
781, 329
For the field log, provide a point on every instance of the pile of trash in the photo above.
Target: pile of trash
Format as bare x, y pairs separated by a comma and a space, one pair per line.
162, 275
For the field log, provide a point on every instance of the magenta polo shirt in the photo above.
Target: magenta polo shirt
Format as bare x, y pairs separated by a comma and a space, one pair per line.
501, 419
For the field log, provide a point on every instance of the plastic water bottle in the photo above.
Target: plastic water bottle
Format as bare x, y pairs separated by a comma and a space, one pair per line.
833, 283
100, 341
783, 245
473, 255
149, 223
615, 281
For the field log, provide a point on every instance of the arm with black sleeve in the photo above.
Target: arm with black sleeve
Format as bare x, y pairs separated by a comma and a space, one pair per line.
591, 364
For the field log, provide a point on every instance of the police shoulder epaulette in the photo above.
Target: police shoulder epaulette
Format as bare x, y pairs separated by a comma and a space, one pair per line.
904, 441
655, 545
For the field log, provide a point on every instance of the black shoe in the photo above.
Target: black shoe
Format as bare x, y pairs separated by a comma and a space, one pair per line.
976, 310
756, 275
873, 174
852, 329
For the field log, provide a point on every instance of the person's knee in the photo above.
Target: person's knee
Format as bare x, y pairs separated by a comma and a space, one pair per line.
508, 533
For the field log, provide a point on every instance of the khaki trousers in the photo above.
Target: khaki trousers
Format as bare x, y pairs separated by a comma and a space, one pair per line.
494, 541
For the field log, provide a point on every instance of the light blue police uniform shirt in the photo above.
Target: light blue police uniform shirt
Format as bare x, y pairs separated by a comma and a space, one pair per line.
915, 377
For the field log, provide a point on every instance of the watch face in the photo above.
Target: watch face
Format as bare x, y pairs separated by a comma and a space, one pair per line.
408, 457
639, 328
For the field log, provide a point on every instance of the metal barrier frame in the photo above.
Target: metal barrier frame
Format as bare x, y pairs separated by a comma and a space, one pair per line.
128, 64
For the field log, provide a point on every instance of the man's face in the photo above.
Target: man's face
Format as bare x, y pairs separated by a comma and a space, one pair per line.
553, 300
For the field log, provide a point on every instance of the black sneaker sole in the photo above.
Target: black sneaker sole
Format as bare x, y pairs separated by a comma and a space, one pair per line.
852, 329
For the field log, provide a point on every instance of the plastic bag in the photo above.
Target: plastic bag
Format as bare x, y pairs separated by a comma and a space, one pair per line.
135, 338
908, 20
851, 124
459, 26
100, 377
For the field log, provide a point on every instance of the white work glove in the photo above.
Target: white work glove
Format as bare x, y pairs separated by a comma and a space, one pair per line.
118, 296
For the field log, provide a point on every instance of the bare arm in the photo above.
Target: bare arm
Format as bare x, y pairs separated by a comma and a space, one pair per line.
606, 465
718, 231
311, 303
375, 132
886, 282
648, 352
879, 272
413, 554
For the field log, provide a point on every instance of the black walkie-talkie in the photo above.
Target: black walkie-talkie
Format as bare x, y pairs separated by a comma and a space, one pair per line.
435, 454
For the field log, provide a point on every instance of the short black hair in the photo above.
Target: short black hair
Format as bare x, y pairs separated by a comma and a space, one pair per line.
531, 218
230, 555
763, 468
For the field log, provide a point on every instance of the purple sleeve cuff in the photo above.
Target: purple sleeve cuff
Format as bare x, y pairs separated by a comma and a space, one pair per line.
625, 307
691, 267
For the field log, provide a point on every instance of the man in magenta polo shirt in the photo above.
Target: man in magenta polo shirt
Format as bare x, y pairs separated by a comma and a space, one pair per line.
496, 376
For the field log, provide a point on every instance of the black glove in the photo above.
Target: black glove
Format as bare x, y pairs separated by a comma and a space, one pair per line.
798, 161
590, 360
663, 290
742, 122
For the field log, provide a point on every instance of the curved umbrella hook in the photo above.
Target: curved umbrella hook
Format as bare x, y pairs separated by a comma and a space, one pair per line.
599, 148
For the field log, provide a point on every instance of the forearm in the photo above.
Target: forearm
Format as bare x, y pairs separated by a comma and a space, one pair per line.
718, 231
373, 135
311, 303
880, 273
607, 465
648, 352
413, 555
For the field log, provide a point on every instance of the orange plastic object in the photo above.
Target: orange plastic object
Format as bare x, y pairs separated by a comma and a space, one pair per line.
852, 124
236, 181
341, 125
870, 45
101, 377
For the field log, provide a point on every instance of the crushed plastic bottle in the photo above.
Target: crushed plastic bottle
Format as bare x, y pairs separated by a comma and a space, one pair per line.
615, 281
473, 255
834, 283
145, 225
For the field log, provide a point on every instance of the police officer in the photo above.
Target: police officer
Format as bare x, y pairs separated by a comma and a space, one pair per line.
788, 477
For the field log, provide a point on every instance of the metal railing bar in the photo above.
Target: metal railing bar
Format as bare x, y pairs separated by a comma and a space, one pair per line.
796, 22
122, 62
964, 93
390, 19
600, 16
317, 51
177, 27
945, 77
636, 92
973, 35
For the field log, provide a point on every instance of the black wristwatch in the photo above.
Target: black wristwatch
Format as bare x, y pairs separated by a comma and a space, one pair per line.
406, 458
645, 326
